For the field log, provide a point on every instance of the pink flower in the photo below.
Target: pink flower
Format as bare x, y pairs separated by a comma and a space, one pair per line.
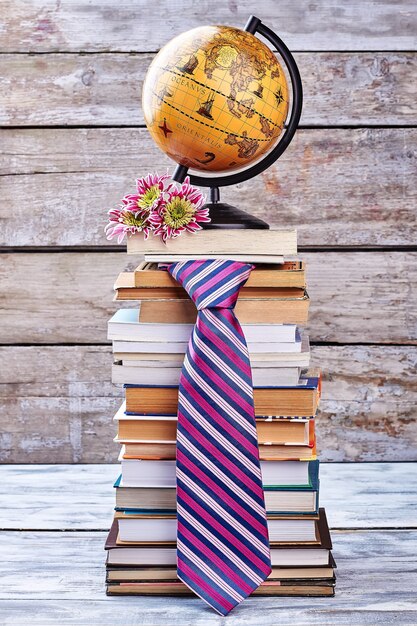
150, 193
181, 211
133, 216
158, 207
123, 221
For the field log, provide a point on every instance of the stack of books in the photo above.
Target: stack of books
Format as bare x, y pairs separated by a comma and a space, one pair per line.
149, 343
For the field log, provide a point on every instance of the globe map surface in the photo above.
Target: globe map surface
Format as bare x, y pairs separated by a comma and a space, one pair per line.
215, 99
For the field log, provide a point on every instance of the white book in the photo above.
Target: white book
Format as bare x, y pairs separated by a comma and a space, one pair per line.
143, 473
270, 259
137, 417
143, 359
125, 326
180, 347
142, 556
280, 557
264, 360
160, 529
208, 241
145, 374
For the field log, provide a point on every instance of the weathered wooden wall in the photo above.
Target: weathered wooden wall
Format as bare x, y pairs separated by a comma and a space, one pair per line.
72, 141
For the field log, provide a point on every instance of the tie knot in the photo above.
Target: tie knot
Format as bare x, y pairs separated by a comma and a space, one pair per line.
211, 284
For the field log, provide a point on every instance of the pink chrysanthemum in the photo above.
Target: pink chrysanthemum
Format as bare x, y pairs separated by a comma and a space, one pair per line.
150, 193
158, 207
123, 221
181, 211
133, 216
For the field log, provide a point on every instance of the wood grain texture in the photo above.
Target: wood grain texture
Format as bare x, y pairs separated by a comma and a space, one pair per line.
355, 296
355, 495
57, 404
368, 408
44, 25
339, 187
58, 578
99, 90
78, 63
147, 612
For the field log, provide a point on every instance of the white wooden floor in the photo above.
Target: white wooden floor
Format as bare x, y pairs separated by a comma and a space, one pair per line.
53, 522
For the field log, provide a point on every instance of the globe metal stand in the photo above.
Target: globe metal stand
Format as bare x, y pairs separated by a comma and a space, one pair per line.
224, 215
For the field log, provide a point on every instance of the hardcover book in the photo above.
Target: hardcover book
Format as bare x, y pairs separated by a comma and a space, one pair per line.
315, 554
126, 290
248, 311
163, 428
288, 274
279, 500
211, 241
298, 401
267, 452
275, 474
125, 326
146, 373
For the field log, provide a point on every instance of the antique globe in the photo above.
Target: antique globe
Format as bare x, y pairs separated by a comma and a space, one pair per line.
216, 100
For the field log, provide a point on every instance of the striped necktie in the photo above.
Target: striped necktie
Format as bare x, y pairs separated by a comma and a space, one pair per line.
223, 550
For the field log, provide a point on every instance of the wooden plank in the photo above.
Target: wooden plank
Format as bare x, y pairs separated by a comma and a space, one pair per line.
67, 89
255, 612
75, 175
367, 412
368, 408
355, 296
375, 586
75, 289
356, 495
44, 26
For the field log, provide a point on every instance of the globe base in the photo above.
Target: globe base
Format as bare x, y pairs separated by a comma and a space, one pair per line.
225, 215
